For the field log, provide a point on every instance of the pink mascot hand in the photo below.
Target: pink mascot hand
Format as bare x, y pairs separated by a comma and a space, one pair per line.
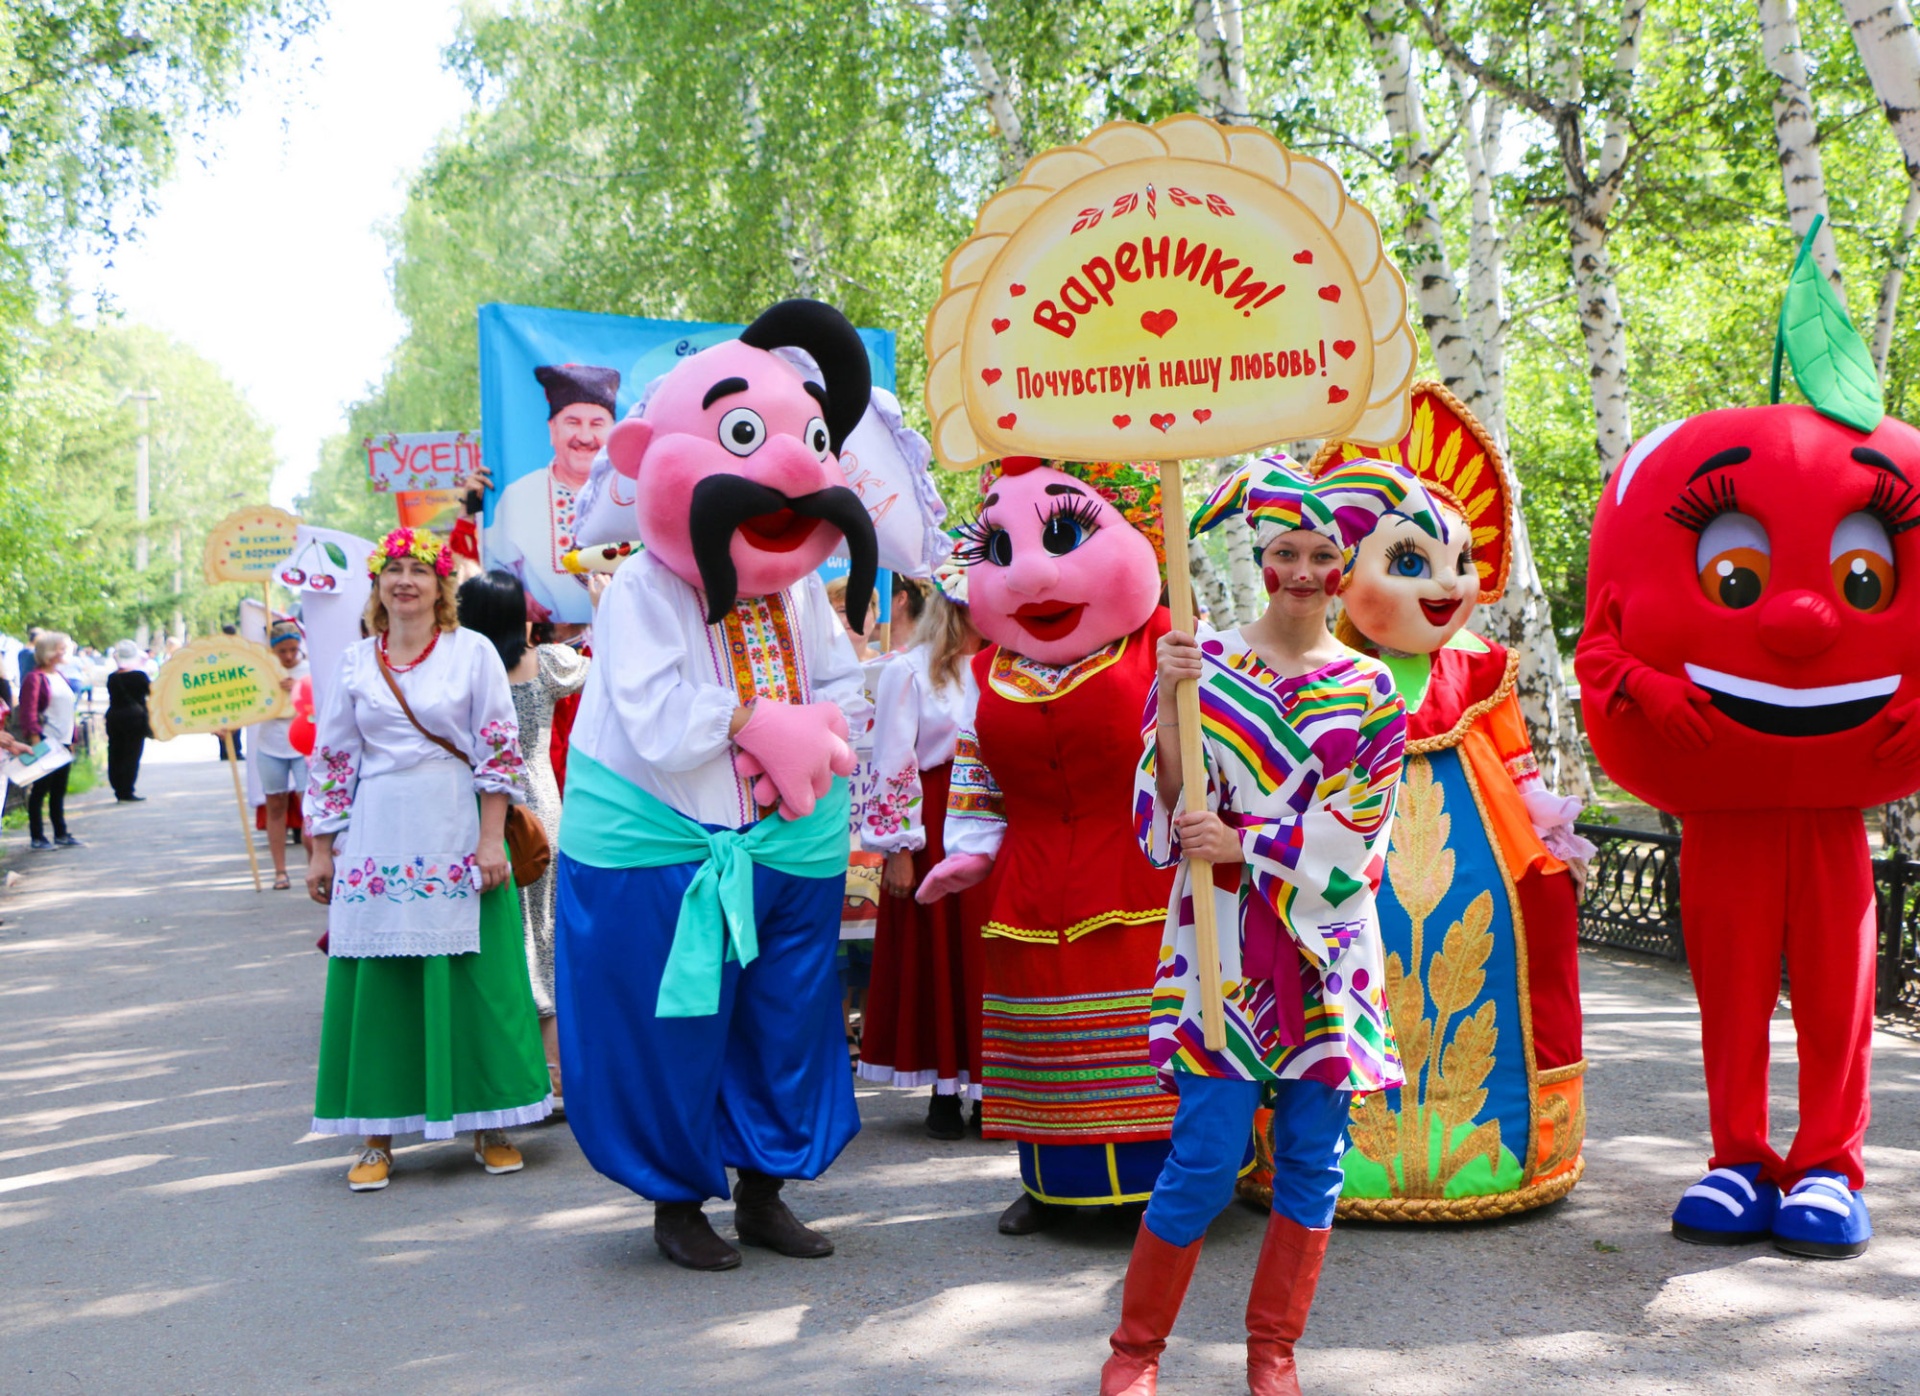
1673, 705
793, 751
955, 874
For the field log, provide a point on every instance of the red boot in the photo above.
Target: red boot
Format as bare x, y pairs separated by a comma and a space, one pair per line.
1157, 1278
1283, 1285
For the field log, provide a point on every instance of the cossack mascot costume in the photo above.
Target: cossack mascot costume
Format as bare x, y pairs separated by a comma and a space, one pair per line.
1751, 662
1478, 910
703, 845
1063, 578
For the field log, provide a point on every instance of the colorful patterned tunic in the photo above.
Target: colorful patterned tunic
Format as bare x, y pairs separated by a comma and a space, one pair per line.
1305, 768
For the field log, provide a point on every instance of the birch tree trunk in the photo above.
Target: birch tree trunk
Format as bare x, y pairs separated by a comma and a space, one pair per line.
1211, 588
1890, 283
1014, 153
1483, 118
1421, 238
1221, 56
1802, 175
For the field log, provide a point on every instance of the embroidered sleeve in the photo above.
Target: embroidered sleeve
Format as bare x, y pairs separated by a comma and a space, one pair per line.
498, 767
1320, 869
334, 772
893, 818
674, 721
976, 813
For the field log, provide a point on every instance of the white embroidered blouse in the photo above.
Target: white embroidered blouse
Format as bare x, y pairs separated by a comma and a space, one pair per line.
458, 692
665, 684
916, 726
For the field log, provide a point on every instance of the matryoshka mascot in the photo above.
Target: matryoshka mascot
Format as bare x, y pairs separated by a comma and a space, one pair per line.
1063, 578
703, 844
1751, 662
1481, 873
1302, 740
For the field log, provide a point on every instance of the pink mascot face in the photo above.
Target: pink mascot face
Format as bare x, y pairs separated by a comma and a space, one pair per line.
1054, 572
1410, 592
1767, 554
738, 485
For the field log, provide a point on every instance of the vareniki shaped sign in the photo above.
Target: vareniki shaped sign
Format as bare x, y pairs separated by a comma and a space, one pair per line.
217, 683
1187, 289
249, 544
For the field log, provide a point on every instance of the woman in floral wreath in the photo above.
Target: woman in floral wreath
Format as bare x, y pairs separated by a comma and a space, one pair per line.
429, 1022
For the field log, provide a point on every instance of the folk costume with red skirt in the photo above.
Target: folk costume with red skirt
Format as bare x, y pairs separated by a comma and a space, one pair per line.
1075, 930
922, 1025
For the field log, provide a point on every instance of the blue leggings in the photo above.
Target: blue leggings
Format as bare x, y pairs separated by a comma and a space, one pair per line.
1210, 1130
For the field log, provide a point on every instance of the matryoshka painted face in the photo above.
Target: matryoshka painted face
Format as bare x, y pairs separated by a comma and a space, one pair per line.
1770, 556
1410, 593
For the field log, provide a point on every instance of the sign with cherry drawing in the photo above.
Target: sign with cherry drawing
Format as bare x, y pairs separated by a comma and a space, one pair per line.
1186, 289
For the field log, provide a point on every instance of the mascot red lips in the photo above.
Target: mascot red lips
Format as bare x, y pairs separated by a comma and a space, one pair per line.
1766, 557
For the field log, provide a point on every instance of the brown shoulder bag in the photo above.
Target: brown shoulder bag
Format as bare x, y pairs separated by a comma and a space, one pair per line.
527, 845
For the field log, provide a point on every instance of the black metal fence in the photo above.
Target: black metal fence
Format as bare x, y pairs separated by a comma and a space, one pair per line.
1632, 901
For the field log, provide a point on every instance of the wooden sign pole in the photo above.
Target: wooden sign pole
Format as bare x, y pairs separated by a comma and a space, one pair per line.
240, 799
1193, 769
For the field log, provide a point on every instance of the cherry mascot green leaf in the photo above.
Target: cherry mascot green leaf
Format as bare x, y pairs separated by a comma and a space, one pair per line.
1830, 360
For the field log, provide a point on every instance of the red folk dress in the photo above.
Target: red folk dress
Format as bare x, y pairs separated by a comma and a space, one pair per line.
1078, 914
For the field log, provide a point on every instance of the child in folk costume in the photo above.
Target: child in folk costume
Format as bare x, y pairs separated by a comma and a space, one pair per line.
1063, 576
1302, 741
923, 1009
704, 836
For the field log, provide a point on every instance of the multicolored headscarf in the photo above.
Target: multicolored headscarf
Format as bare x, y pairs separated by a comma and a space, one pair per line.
416, 543
1132, 487
1342, 505
950, 580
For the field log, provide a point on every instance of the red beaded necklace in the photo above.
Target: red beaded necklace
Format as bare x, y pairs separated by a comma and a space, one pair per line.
420, 659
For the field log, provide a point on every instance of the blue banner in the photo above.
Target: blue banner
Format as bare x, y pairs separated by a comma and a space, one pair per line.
552, 383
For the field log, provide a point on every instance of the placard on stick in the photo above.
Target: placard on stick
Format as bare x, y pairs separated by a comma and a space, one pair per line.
248, 544
1165, 292
217, 685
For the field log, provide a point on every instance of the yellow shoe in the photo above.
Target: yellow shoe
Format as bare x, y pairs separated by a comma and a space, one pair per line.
492, 1152
371, 1173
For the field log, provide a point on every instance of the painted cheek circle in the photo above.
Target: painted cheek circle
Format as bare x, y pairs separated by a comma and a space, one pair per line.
1332, 582
1271, 579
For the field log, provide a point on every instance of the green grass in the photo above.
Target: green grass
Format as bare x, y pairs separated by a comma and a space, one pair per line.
88, 771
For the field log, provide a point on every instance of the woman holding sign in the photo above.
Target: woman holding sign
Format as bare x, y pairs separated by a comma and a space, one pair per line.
1302, 740
429, 1022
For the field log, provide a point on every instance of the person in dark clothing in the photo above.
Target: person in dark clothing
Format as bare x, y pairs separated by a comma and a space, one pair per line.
127, 725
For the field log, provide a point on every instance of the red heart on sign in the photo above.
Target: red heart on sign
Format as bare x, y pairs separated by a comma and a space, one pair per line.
1303, 257
1200, 414
1330, 293
1161, 420
1006, 422
1016, 289
1343, 347
1336, 393
1123, 421
1158, 322
990, 376
1000, 326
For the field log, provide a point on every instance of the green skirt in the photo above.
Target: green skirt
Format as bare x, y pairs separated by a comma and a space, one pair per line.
439, 1044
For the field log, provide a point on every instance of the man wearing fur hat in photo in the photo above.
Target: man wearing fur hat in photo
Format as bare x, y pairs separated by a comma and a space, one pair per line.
533, 524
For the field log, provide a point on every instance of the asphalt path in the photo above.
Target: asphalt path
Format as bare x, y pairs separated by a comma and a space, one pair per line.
168, 1226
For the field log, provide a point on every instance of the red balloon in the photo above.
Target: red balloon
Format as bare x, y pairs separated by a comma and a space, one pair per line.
301, 730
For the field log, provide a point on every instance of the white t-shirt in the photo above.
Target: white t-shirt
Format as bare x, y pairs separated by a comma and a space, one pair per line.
272, 739
56, 725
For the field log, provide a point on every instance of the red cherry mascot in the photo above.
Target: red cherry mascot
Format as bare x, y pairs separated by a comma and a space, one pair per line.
1751, 662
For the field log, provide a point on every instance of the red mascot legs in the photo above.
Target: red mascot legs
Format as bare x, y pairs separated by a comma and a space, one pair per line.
1757, 886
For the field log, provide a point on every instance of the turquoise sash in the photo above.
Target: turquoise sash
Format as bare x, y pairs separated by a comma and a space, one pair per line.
609, 822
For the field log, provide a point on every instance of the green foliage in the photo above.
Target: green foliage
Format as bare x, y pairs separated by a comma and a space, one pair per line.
67, 495
698, 161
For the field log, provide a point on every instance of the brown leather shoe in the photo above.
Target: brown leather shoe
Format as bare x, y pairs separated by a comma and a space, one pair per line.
685, 1236
760, 1218
1025, 1216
